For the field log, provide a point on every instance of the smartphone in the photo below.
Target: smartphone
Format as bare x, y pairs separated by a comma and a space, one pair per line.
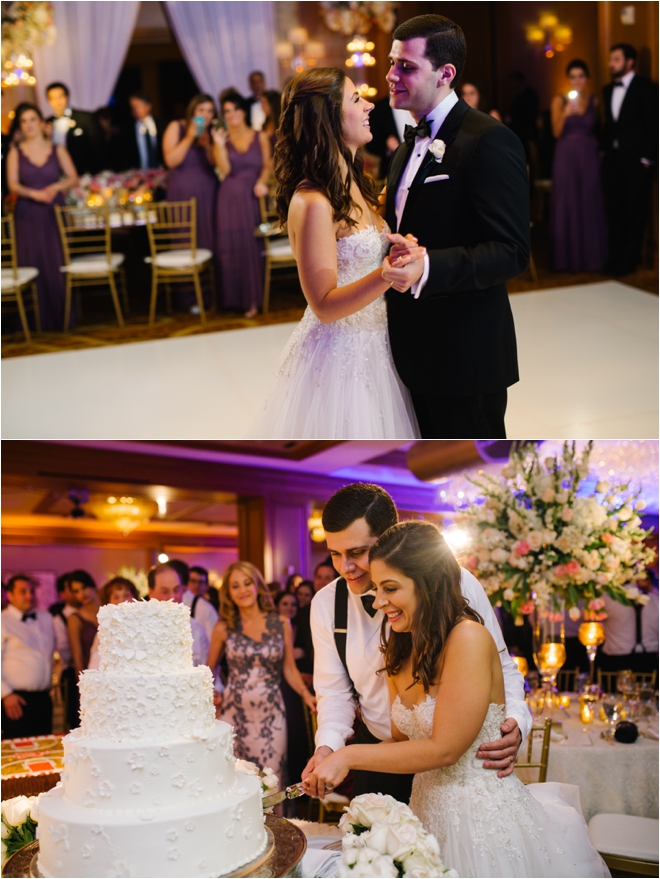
200, 123
218, 122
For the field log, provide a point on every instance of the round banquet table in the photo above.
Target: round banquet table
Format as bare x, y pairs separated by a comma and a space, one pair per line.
612, 777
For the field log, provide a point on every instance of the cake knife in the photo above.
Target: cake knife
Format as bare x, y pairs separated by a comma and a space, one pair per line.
290, 793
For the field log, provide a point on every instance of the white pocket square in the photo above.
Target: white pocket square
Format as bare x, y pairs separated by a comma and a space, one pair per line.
437, 177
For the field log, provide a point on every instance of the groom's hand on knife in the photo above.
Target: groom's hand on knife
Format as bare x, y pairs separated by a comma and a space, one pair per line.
311, 786
501, 755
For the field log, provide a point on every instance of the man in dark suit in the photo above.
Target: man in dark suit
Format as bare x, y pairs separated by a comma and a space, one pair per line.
459, 185
631, 151
143, 137
264, 104
76, 130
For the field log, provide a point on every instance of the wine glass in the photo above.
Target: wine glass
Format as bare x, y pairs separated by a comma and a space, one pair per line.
589, 696
536, 701
625, 682
612, 710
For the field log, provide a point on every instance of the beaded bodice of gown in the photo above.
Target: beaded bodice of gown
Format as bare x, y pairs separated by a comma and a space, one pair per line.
417, 723
358, 254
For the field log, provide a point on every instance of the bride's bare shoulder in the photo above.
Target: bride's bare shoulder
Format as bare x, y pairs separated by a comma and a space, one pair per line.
470, 635
307, 204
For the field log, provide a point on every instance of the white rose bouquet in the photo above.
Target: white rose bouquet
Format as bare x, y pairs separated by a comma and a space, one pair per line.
534, 540
383, 837
19, 824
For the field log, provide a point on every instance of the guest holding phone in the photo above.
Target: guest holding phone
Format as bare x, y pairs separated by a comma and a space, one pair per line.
188, 153
577, 233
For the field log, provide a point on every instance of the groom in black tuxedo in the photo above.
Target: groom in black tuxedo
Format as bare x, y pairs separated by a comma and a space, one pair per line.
459, 185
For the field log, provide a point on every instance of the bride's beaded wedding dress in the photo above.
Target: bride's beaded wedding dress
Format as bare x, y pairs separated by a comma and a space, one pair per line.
337, 380
490, 826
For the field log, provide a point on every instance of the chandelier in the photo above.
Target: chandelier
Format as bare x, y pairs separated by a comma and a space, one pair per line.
358, 18
24, 25
126, 513
549, 35
299, 52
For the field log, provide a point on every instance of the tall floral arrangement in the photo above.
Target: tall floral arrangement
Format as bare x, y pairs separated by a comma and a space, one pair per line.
536, 540
25, 25
358, 17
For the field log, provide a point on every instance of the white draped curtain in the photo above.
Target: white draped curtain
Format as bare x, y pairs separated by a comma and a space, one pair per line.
224, 42
88, 53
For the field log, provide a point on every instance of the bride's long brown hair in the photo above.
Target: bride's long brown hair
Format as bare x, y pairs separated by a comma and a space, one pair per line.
419, 551
310, 145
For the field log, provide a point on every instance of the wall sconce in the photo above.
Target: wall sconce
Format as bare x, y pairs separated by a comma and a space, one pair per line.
299, 52
549, 35
315, 525
360, 50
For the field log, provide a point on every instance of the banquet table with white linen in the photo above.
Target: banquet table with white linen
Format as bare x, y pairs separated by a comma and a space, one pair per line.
612, 777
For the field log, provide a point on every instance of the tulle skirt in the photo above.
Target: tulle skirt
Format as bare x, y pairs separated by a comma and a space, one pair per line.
336, 381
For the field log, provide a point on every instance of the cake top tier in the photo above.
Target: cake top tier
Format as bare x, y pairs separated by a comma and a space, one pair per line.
149, 637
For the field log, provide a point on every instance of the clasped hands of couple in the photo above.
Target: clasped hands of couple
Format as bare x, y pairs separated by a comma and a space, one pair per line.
404, 264
327, 768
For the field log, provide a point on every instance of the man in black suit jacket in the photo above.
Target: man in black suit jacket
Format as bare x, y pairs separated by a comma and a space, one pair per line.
450, 321
263, 104
631, 151
76, 130
142, 138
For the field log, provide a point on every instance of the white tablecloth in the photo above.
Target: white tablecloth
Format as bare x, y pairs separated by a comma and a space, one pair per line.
612, 778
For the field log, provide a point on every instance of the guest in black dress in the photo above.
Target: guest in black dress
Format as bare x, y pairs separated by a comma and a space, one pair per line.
39, 173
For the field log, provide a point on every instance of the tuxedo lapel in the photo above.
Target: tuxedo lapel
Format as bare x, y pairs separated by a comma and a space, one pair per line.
397, 167
447, 133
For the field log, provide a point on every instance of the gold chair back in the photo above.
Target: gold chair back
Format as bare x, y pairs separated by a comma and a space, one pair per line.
84, 231
10, 264
542, 763
567, 679
607, 679
269, 231
9, 258
173, 226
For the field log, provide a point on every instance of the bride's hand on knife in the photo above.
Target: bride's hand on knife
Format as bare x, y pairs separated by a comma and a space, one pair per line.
328, 774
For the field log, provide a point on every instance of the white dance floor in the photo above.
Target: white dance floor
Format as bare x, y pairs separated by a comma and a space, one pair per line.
588, 360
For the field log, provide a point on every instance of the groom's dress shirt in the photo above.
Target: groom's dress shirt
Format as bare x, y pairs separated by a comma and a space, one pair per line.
336, 706
420, 148
27, 651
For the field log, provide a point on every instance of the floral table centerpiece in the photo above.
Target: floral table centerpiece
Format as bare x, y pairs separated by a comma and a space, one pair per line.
19, 824
536, 540
383, 837
125, 190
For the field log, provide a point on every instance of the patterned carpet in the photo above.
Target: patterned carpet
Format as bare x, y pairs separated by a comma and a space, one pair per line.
97, 326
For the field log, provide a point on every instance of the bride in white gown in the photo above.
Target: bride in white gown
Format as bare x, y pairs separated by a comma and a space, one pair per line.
447, 692
336, 378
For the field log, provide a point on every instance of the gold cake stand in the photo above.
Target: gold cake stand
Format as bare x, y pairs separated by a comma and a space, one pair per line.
282, 856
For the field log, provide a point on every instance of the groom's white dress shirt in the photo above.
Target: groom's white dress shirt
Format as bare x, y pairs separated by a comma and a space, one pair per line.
435, 119
27, 651
336, 706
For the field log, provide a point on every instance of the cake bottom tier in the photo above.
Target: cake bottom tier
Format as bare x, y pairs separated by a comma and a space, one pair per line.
210, 839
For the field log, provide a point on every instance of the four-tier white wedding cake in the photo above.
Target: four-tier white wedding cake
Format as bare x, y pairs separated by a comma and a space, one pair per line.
149, 786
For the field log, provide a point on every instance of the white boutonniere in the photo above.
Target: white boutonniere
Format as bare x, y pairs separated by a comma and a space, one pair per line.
72, 123
437, 149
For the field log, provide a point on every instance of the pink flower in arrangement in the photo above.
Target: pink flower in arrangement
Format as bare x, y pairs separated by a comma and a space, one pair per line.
572, 568
521, 548
527, 608
599, 617
559, 571
555, 616
596, 604
608, 538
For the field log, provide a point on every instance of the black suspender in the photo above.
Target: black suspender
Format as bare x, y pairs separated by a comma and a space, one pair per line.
341, 625
194, 605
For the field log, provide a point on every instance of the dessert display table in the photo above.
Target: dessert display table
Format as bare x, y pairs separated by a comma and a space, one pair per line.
283, 859
31, 766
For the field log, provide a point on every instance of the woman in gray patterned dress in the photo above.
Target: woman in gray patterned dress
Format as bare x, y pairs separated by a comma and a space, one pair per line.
258, 644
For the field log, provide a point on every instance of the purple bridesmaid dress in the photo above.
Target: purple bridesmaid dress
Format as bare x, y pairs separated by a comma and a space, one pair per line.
38, 241
240, 253
195, 178
577, 233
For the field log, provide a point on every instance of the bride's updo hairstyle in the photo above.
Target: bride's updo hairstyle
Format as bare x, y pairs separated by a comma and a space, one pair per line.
419, 551
310, 145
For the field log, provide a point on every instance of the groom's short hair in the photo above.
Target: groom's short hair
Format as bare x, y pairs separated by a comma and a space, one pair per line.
445, 41
361, 500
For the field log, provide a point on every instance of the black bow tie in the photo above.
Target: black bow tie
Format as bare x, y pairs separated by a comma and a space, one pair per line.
368, 604
616, 84
422, 129
29, 616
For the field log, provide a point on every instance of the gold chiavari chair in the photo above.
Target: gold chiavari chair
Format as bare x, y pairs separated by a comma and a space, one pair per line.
16, 279
567, 679
277, 247
88, 257
607, 679
175, 257
542, 763
332, 807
